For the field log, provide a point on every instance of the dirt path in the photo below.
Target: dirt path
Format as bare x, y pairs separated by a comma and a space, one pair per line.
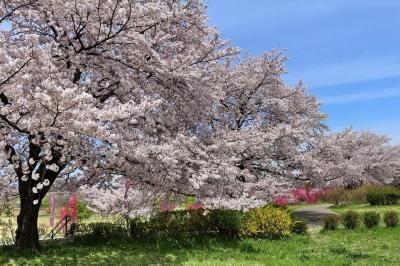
314, 214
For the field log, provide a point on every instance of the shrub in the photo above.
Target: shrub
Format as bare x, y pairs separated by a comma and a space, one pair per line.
226, 222
194, 221
331, 222
371, 219
267, 221
307, 195
73, 229
7, 225
336, 196
45, 206
375, 198
106, 230
83, 211
341, 196
391, 218
179, 221
359, 194
303, 195
281, 201
299, 226
351, 219
103, 231
383, 195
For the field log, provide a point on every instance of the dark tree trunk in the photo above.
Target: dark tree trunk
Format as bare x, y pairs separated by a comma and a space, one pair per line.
27, 236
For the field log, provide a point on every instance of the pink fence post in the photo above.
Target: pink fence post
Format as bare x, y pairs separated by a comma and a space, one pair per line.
73, 208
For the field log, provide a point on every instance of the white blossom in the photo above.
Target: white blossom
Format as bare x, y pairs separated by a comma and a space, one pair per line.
39, 186
53, 167
35, 176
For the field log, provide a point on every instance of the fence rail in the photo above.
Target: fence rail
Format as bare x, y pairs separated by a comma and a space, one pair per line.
62, 224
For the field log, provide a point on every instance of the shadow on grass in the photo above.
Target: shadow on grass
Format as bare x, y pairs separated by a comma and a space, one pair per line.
150, 251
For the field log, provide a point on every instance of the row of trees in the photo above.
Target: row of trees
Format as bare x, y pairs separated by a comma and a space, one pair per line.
98, 90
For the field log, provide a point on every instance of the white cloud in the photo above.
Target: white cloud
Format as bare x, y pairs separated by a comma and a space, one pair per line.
363, 96
350, 71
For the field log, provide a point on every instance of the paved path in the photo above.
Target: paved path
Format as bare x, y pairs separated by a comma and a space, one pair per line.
314, 214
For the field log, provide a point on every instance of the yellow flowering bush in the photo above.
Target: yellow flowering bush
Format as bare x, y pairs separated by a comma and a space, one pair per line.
268, 221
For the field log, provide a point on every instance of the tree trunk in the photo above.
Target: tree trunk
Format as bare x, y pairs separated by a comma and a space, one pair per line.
27, 236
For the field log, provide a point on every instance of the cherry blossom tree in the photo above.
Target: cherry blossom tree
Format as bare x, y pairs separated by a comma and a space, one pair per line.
266, 122
352, 158
76, 74
246, 149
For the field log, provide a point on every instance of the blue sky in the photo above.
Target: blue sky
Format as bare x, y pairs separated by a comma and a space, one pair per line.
346, 52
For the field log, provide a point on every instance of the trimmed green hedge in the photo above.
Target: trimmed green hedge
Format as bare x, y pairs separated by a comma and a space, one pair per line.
331, 222
391, 218
268, 221
385, 195
197, 221
371, 219
351, 219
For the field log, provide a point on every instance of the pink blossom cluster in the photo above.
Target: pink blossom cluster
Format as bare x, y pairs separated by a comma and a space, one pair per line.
309, 196
281, 201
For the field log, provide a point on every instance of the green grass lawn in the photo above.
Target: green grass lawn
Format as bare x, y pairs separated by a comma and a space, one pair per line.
365, 207
379, 246
44, 220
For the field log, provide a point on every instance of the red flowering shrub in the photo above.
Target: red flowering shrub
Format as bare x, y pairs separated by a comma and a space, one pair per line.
195, 206
71, 210
61, 216
311, 198
63, 213
281, 201
301, 195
